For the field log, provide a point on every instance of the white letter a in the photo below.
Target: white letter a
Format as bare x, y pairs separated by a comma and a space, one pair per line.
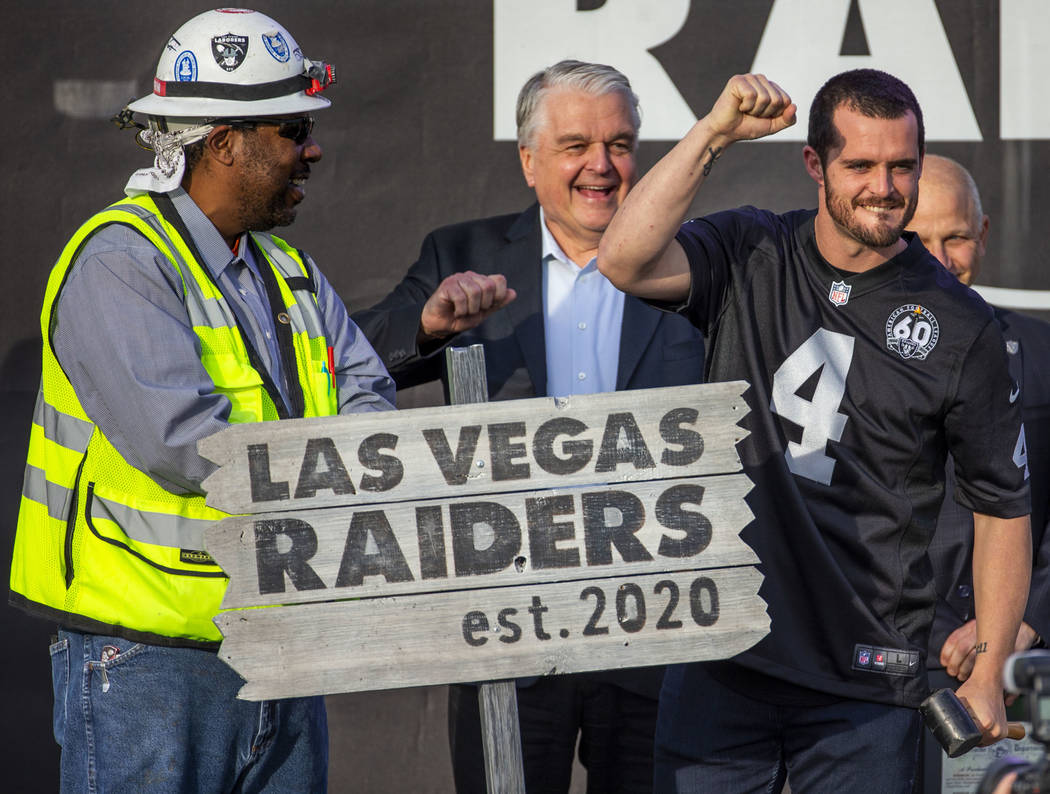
800, 50
530, 35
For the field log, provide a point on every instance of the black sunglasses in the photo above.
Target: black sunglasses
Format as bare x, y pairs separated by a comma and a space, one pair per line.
297, 129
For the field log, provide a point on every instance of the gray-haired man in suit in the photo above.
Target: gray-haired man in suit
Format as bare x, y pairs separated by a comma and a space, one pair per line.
527, 288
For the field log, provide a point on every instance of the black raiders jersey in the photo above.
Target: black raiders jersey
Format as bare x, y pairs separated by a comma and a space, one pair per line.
860, 385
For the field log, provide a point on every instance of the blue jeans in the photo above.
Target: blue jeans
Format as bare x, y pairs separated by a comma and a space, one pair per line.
710, 738
133, 717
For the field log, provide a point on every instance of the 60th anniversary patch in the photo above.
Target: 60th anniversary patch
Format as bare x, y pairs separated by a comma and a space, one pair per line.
912, 331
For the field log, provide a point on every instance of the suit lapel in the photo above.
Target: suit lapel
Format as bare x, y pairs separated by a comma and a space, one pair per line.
520, 261
639, 325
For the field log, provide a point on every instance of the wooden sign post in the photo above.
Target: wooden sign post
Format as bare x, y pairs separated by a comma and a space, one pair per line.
497, 700
487, 541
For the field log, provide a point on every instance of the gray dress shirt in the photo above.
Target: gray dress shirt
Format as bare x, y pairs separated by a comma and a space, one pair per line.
124, 339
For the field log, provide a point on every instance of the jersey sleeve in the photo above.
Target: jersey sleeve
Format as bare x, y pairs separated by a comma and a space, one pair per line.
984, 432
713, 244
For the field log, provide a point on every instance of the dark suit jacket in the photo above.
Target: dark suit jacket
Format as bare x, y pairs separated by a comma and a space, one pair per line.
656, 348
951, 551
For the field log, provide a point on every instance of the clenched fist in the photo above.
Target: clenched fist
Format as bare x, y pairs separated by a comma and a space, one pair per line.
749, 107
461, 302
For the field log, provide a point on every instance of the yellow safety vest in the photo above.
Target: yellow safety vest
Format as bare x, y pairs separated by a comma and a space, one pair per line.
100, 546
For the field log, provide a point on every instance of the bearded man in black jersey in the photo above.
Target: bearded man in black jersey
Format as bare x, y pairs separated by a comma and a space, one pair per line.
868, 363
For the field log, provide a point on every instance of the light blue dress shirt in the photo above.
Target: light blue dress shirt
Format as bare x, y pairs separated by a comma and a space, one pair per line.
582, 318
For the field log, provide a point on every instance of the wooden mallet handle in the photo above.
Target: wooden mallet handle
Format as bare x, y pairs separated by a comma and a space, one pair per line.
1014, 730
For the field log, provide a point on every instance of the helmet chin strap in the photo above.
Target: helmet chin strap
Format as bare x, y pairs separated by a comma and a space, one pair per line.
169, 162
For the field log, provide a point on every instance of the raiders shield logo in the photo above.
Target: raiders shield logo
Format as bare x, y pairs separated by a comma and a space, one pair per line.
229, 50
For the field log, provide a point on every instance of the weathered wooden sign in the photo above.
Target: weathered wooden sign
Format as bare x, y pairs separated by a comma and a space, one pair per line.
484, 541
473, 449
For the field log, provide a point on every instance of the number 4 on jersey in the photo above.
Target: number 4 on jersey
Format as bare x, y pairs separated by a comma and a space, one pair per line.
1021, 453
819, 417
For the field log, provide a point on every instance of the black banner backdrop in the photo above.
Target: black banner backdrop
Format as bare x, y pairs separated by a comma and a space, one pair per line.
411, 143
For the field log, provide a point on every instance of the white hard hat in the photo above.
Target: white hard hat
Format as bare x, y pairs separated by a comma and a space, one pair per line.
234, 63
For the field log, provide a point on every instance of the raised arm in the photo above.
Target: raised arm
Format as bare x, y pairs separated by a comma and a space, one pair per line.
638, 252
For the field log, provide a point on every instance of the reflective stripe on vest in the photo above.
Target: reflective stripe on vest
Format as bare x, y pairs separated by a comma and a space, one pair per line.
99, 542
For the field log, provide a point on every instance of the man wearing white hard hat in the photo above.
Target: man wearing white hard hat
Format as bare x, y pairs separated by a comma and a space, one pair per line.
170, 315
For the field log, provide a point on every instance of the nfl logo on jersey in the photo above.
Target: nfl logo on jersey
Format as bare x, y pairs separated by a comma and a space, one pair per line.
839, 293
